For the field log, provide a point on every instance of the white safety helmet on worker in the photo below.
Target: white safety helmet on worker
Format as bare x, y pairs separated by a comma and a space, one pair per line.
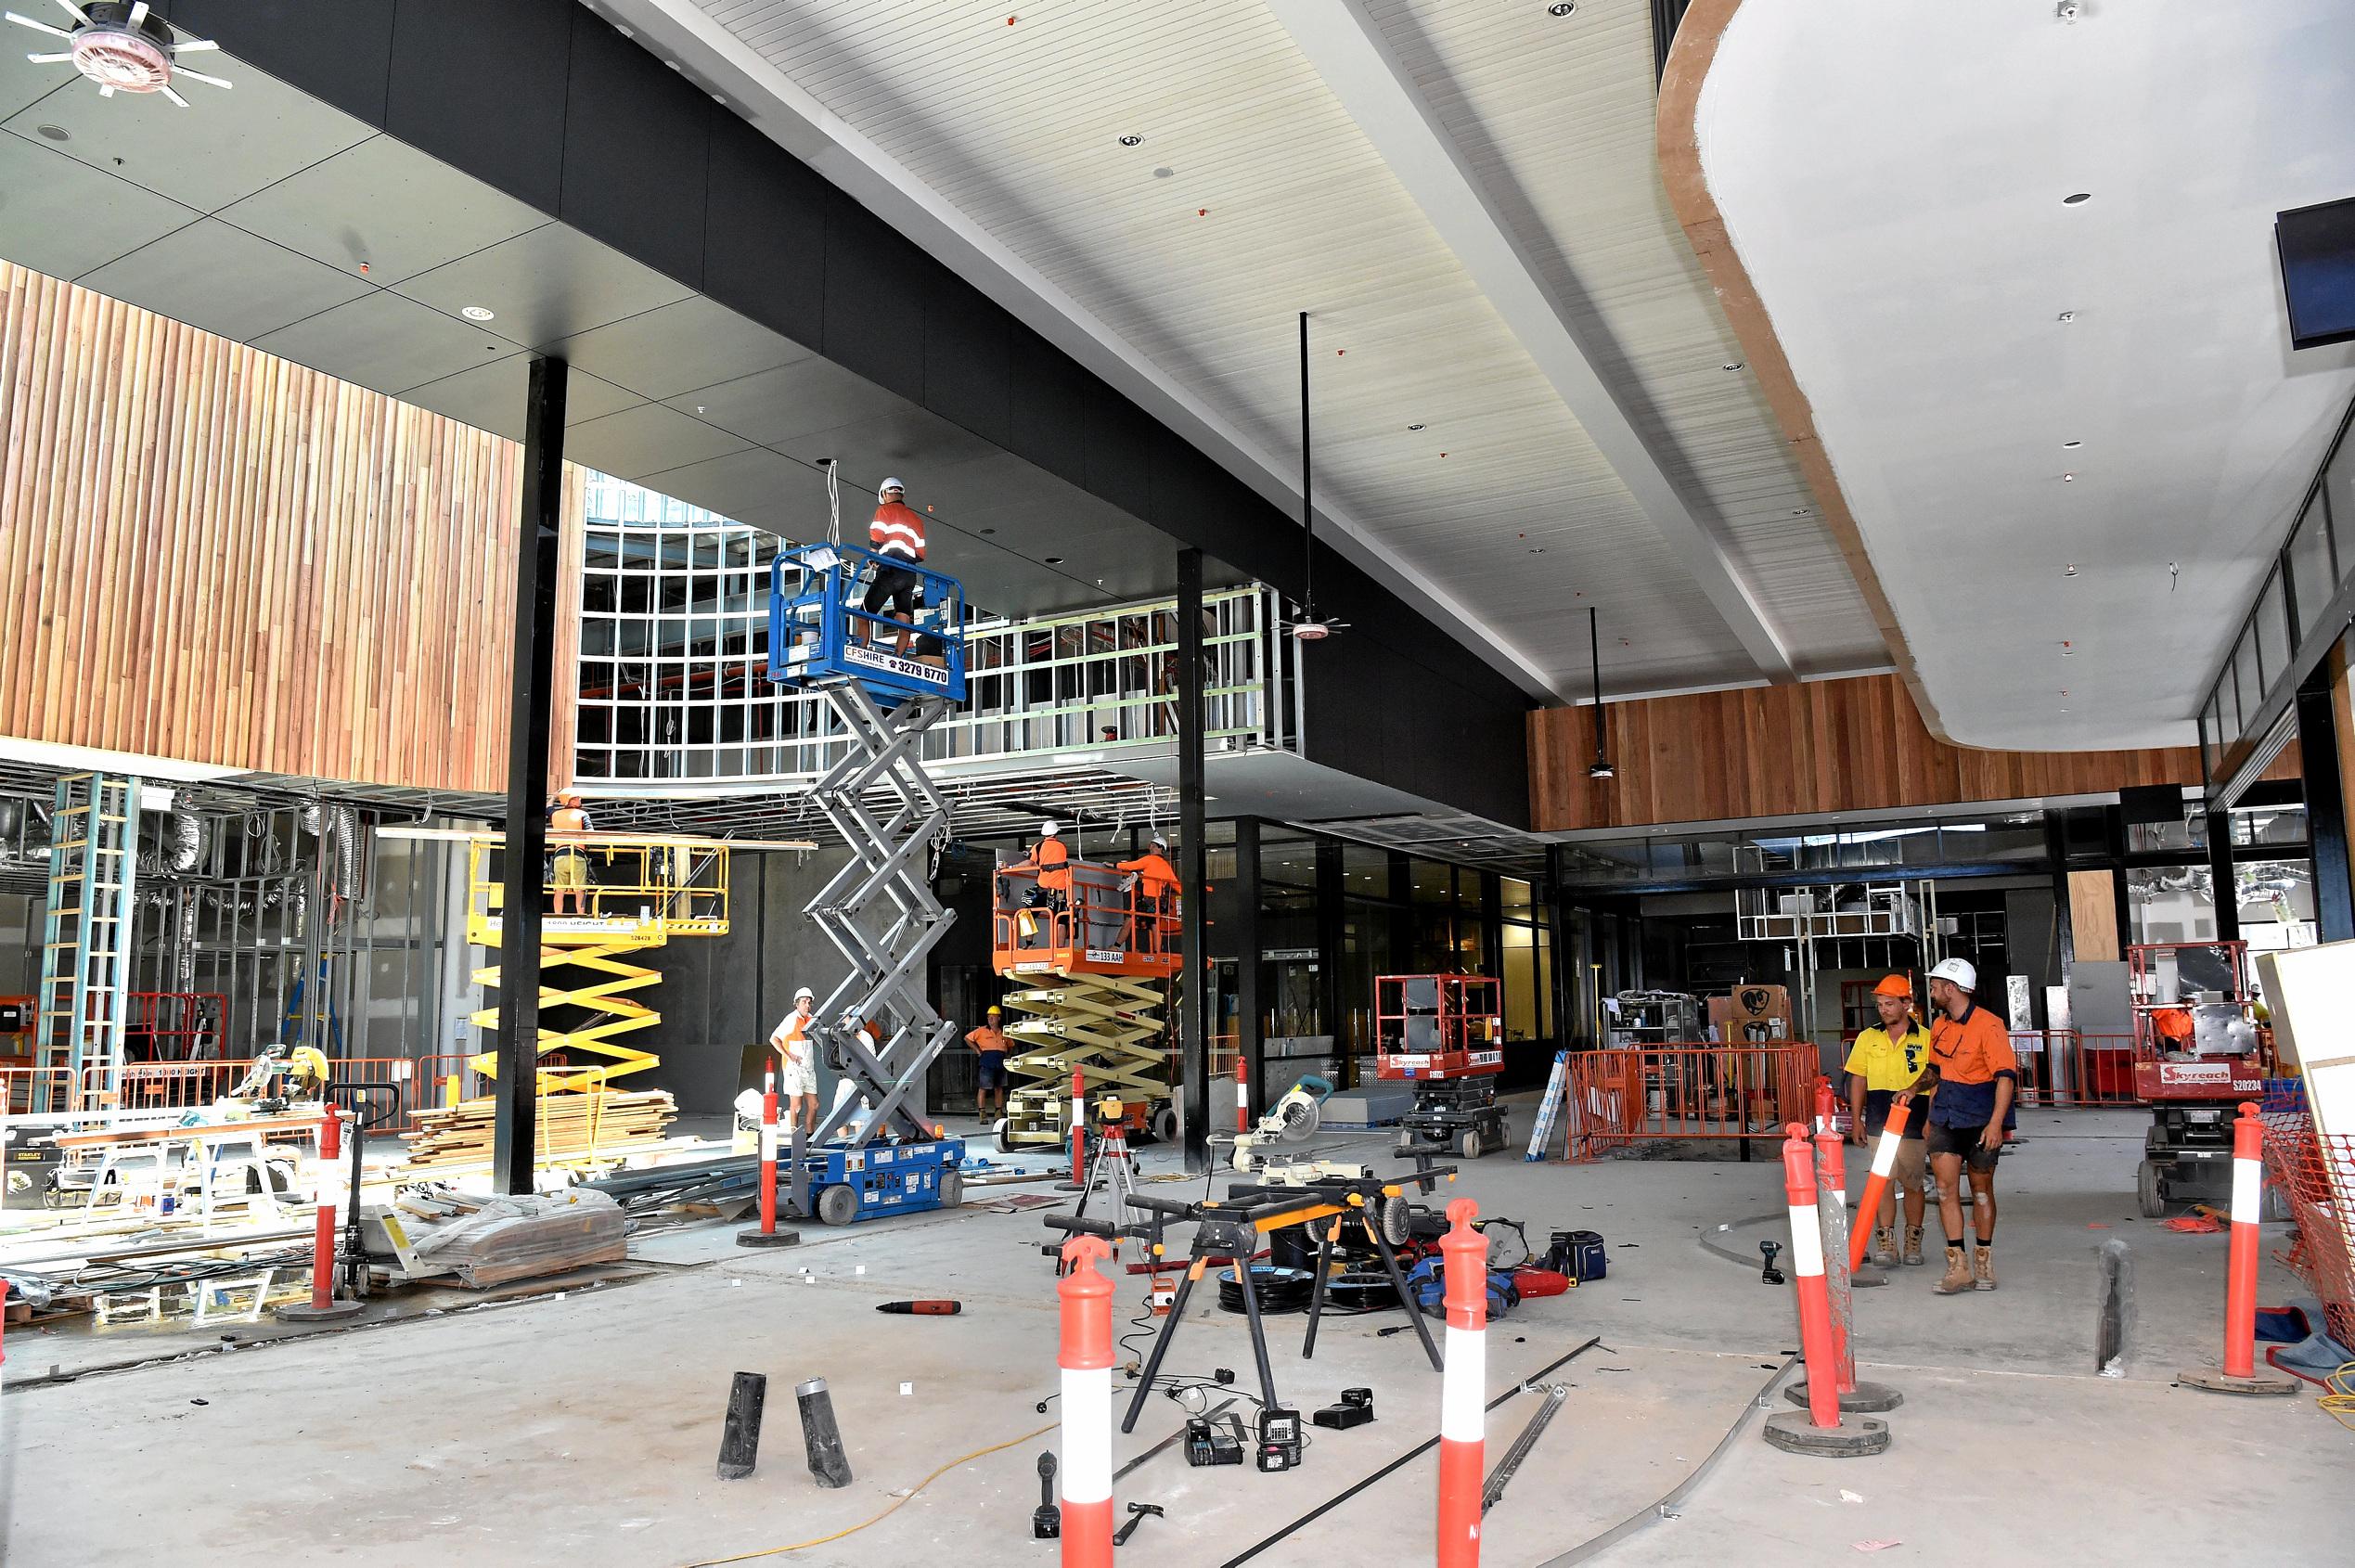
1160, 842
1957, 971
1048, 829
805, 990
889, 485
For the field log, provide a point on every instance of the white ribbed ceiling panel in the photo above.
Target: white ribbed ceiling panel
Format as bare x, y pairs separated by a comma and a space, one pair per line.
1253, 195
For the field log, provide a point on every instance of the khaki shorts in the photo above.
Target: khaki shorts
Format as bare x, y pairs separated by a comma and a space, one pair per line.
1907, 1174
572, 870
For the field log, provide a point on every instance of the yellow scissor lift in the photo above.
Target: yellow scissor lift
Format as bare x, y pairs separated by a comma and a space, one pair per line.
1088, 971
643, 889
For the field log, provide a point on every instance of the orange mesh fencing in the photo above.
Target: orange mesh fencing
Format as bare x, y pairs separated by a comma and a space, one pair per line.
2316, 1173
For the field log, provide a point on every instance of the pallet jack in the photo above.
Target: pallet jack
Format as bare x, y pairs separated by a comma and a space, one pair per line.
1087, 969
1445, 1034
875, 1156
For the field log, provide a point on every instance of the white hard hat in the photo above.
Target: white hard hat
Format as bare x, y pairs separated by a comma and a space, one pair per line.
805, 990
888, 484
1160, 842
1959, 971
1048, 829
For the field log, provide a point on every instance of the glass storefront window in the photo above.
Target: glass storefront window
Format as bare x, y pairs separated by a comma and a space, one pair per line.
1365, 873
2310, 576
1512, 895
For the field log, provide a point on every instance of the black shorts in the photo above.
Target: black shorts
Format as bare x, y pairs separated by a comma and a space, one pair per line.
993, 1069
896, 587
1963, 1141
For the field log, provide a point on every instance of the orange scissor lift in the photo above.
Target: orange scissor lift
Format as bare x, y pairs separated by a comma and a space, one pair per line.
1088, 974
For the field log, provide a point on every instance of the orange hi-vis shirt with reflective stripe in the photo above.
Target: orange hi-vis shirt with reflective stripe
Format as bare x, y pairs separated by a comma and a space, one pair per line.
1052, 858
896, 531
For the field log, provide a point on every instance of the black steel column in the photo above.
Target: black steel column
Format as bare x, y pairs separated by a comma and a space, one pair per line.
514, 1129
1251, 1043
1193, 871
2056, 851
2325, 807
2220, 878
1332, 937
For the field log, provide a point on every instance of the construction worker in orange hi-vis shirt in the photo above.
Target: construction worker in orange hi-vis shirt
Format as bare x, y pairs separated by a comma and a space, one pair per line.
897, 535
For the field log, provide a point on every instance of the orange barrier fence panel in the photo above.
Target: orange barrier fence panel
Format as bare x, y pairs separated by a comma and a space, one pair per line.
1618, 1097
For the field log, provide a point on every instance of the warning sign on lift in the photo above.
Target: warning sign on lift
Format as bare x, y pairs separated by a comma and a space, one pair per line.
896, 664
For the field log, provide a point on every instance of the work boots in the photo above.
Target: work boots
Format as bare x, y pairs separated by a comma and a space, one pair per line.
1884, 1246
1913, 1245
1983, 1268
1958, 1274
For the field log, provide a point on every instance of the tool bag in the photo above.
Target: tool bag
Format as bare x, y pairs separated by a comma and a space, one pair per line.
1427, 1283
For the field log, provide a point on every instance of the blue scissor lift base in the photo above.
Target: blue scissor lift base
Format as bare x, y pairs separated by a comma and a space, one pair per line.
890, 1178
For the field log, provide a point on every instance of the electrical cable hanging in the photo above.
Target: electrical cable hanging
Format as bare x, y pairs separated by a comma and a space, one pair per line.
1311, 627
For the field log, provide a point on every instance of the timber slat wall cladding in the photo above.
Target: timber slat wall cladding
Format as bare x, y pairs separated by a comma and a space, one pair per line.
218, 556
1788, 751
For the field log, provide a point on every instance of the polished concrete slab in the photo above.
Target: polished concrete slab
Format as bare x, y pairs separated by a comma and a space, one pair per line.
584, 1429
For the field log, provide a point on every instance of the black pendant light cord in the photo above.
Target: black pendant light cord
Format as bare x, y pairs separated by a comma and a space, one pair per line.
1595, 654
1307, 516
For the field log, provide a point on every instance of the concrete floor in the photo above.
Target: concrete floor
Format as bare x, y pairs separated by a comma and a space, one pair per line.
583, 1430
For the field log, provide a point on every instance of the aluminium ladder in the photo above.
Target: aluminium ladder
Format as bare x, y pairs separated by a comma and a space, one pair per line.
86, 935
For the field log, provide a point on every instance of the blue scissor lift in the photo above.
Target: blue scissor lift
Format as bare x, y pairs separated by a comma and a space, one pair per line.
875, 1155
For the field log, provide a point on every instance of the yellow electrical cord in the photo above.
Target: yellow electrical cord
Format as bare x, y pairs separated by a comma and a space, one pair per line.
853, 1530
2339, 1403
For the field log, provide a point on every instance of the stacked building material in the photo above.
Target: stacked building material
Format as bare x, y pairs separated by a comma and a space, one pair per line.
498, 1240
572, 1126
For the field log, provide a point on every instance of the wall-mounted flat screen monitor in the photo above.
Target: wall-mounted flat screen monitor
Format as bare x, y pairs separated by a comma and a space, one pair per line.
2318, 271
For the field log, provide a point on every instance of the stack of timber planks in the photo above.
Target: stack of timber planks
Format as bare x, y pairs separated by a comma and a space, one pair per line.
460, 1134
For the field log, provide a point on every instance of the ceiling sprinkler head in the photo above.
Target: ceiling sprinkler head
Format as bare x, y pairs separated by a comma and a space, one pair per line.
2068, 10
2069, 570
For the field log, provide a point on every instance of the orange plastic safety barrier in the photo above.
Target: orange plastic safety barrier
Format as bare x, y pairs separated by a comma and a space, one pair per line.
1628, 1095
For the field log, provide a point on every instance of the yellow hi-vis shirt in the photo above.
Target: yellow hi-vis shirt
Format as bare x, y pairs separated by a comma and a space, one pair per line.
1889, 1065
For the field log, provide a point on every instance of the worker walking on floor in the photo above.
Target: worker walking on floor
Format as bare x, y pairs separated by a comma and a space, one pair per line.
797, 1050
1975, 1075
1153, 881
1884, 1064
989, 1044
897, 535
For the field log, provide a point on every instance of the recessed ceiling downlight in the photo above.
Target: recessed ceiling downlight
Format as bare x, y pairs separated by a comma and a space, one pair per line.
477, 312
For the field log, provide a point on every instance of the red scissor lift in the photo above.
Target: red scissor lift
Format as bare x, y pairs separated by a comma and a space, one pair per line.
1445, 1034
1087, 969
2197, 1055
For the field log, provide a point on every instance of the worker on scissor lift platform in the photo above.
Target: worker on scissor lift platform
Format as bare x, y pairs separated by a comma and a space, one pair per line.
897, 533
569, 873
1153, 882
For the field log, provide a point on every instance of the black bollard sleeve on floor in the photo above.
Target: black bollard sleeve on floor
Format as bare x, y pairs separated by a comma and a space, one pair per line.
741, 1438
820, 1435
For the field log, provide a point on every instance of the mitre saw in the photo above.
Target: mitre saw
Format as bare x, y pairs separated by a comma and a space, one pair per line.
1263, 1152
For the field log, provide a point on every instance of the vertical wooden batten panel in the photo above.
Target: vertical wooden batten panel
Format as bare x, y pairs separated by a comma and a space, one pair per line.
219, 556
1794, 751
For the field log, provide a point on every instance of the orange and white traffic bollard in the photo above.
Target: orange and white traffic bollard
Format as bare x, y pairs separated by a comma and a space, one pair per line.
1086, 1362
1242, 1096
769, 1235
1884, 1155
323, 1306
1079, 1128
2239, 1374
1818, 1429
1463, 1390
1827, 1105
1832, 1224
